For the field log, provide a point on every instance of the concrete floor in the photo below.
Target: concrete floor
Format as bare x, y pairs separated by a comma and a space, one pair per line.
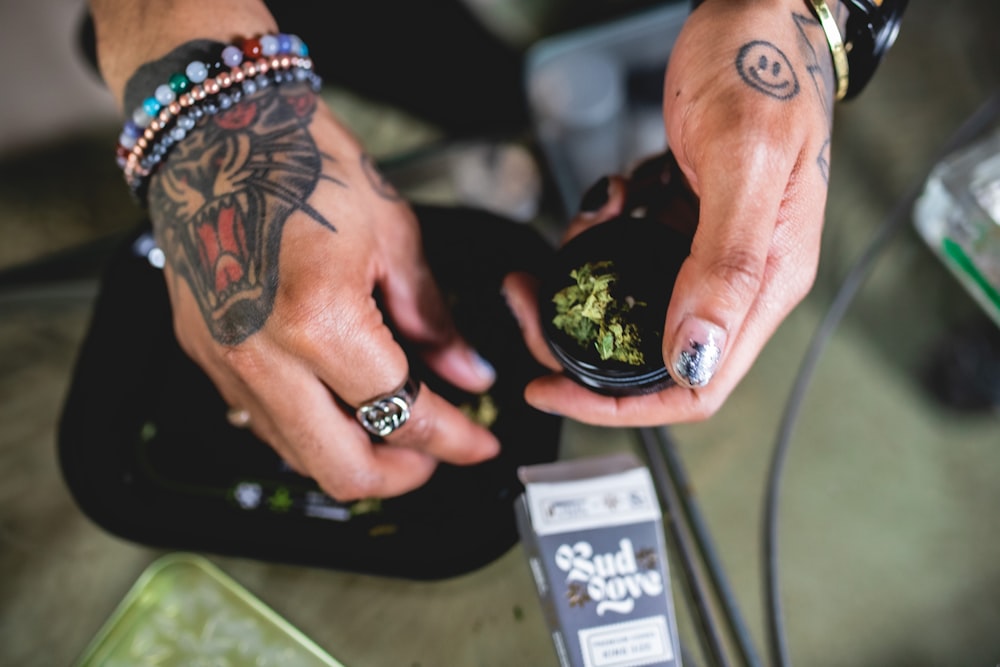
890, 548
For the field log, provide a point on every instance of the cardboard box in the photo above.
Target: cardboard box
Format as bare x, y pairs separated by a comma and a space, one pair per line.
593, 534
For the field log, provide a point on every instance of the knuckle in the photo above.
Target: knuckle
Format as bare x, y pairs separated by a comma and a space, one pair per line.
244, 361
739, 272
795, 274
305, 317
749, 133
803, 283
760, 153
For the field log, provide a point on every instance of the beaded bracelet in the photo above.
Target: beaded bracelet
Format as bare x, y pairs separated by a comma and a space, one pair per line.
165, 117
174, 122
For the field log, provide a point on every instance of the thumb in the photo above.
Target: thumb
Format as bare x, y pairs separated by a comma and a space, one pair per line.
723, 276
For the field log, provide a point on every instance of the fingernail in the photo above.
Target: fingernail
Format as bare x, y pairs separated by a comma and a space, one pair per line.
596, 197
483, 368
698, 351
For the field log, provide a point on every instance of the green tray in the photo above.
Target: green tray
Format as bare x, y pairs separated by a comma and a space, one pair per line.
185, 611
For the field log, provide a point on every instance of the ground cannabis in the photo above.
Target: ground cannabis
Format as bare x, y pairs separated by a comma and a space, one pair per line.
587, 312
484, 412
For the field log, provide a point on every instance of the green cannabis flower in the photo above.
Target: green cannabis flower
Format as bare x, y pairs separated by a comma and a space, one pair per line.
484, 412
587, 312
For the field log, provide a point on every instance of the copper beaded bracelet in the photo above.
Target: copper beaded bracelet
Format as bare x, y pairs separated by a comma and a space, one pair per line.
174, 108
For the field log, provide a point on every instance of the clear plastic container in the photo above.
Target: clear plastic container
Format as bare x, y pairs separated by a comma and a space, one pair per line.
958, 215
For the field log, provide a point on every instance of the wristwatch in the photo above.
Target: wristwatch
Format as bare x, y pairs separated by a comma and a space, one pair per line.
872, 27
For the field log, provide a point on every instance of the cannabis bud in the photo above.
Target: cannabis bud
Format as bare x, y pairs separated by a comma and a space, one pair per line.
603, 299
588, 312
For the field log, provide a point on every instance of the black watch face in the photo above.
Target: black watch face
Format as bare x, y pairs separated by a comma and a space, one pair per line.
892, 15
871, 30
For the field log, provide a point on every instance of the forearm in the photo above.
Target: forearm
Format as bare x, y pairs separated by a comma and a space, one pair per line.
132, 32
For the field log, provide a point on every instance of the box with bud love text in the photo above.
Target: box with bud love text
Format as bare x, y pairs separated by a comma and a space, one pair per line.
593, 535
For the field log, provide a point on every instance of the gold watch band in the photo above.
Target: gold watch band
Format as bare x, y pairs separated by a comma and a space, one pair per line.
840, 67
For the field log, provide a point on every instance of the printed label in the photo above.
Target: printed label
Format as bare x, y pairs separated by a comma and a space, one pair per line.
584, 504
632, 644
612, 580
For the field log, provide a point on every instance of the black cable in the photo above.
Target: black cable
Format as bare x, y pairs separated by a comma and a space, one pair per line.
692, 578
699, 530
856, 275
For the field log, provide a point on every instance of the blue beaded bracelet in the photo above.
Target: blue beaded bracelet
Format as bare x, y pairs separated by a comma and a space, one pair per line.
174, 108
221, 101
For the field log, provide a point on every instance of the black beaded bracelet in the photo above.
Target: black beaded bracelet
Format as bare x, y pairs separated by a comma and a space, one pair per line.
203, 89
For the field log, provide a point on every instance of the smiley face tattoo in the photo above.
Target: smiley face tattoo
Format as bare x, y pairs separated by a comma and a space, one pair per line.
765, 67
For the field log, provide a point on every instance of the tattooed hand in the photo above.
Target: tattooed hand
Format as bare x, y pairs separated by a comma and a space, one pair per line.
278, 231
748, 102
